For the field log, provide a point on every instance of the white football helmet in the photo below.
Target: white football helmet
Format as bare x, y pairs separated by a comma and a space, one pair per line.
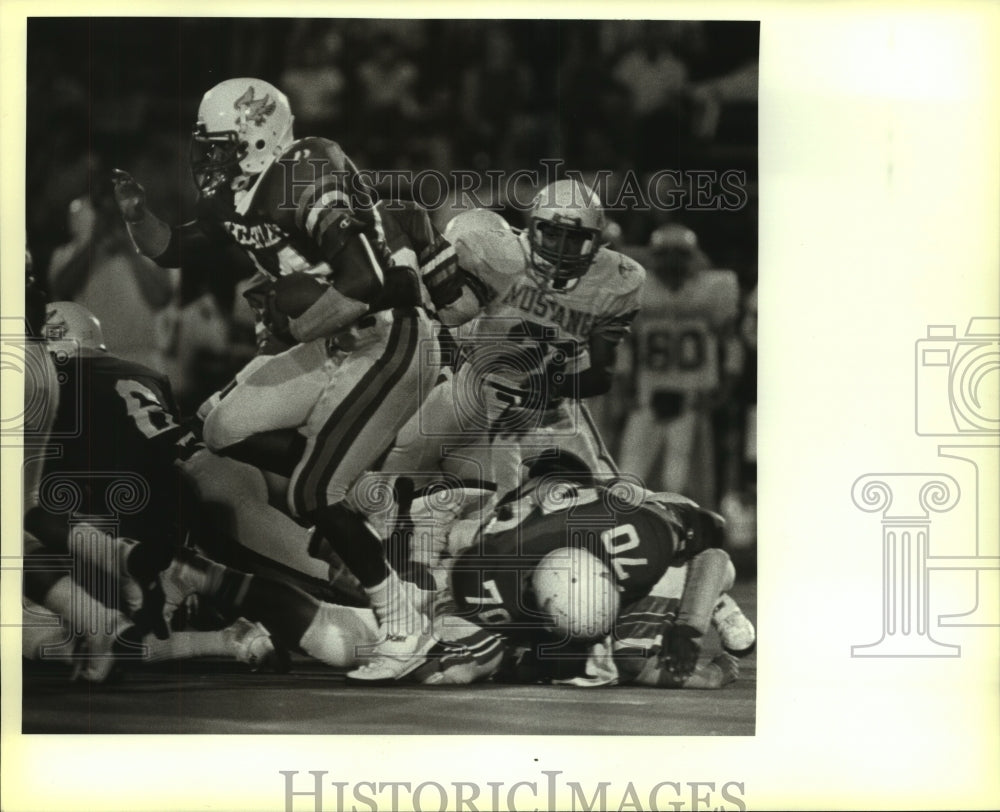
565, 223
70, 328
578, 592
243, 126
474, 220
675, 252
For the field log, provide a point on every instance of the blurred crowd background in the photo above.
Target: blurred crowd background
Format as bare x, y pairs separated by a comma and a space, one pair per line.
615, 96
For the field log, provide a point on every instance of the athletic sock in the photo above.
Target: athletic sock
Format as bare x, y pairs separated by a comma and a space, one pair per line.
393, 608
187, 645
355, 542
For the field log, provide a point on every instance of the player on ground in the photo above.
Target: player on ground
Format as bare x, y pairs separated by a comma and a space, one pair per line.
109, 500
301, 213
132, 453
660, 552
663, 559
685, 352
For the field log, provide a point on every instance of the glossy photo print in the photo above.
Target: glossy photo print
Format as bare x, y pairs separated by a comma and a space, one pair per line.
511, 407
406, 353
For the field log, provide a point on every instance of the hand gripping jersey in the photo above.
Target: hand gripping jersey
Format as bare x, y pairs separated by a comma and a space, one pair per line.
676, 336
638, 534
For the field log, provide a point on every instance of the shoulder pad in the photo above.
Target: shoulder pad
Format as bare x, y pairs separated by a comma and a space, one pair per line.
632, 274
493, 257
725, 291
313, 166
317, 149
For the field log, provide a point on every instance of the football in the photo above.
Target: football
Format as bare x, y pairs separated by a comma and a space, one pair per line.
296, 292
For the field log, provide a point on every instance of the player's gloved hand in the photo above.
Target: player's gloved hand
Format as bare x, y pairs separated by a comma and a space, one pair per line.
129, 195
681, 647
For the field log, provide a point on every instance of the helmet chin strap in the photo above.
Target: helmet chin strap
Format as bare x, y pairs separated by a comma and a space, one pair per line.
244, 197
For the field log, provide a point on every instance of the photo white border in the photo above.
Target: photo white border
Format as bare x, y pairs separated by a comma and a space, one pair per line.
879, 211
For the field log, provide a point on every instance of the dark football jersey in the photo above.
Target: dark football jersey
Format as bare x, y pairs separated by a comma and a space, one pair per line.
302, 215
114, 440
491, 580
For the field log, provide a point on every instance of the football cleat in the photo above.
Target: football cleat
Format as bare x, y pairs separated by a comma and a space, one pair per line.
392, 658
735, 630
251, 643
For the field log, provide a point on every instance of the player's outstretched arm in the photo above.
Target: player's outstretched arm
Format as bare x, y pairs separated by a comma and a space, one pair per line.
149, 233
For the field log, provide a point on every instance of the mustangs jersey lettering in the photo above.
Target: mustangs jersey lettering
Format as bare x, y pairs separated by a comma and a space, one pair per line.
525, 329
638, 540
676, 337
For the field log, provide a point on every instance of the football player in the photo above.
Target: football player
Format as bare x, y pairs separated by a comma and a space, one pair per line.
41, 385
685, 352
550, 567
116, 428
330, 283
665, 561
110, 499
128, 426
555, 304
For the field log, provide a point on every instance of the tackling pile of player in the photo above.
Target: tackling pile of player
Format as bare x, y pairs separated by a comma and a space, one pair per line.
405, 482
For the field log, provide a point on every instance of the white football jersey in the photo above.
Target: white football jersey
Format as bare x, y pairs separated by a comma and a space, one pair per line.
523, 327
676, 335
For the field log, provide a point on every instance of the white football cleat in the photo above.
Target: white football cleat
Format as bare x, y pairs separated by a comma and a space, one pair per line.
251, 643
392, 658
735, 630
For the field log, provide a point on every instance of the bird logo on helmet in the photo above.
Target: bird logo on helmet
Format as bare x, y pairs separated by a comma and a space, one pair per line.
565, 223
243, 126
577, 592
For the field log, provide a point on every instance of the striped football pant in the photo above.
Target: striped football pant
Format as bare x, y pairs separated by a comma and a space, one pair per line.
348, 405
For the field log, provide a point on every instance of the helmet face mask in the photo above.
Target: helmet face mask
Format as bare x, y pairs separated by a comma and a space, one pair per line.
564, 233
71, 329
243, 126
215, 159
